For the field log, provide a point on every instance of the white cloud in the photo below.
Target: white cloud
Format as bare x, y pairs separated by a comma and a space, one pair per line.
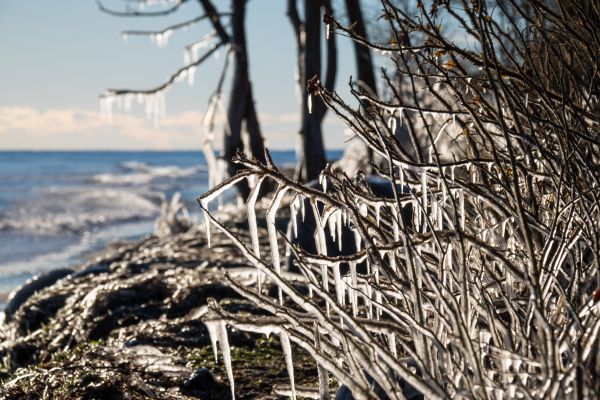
71, 128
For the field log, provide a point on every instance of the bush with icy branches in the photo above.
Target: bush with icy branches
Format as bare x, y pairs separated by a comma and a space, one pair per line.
489, 290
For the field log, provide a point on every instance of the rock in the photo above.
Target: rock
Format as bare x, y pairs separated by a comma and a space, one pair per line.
201, 380
22, 293
202, 384
91, 270
344, 393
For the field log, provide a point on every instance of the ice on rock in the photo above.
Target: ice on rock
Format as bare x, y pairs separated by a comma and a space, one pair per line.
309, 104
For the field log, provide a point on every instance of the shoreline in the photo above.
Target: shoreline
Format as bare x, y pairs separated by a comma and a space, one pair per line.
149, 305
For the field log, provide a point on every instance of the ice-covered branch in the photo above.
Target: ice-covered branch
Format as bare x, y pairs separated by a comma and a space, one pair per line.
154, 97
161, 37
139, 12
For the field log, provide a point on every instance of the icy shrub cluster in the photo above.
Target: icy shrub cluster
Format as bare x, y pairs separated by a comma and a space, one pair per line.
476, 276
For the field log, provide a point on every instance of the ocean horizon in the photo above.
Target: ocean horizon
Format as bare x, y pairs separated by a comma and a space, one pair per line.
59, 206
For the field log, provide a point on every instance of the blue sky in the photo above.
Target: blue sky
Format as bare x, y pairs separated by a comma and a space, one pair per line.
57, 57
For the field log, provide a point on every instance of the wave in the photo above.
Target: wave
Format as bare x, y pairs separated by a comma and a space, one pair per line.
79, 210
76, 252
142, 173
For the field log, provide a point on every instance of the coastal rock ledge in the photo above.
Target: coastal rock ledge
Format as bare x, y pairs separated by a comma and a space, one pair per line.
133, 329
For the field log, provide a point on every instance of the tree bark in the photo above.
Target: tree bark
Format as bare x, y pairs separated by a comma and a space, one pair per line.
241, 99
312, 137
364, 61
308, 37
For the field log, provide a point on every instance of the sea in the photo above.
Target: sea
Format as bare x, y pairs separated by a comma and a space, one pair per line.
57, 208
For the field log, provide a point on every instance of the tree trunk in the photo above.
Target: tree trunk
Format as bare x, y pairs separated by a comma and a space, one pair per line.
312, 138
308, 38
241, 100
364, 61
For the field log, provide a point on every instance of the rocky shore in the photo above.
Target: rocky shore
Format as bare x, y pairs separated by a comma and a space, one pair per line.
133, 328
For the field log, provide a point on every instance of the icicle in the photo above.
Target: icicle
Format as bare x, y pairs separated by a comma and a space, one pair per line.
453, 119
252, 225
526, 100
302, 209
331, 224
339, 284
461, 202
352, 290
191, 75
392, 124
321, 247
225, 351
287, 352
503, 227
338, 222
323, 181
253, 228
395, 227
400, 112
327, 29
310, 103
322, 372
211, 326
392, 257
369, 295
363, 209
440, 215
416, 213
377, 213
424, 197
205, 200
401, 180
357, 239
294, 214
204, 204
271, 212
